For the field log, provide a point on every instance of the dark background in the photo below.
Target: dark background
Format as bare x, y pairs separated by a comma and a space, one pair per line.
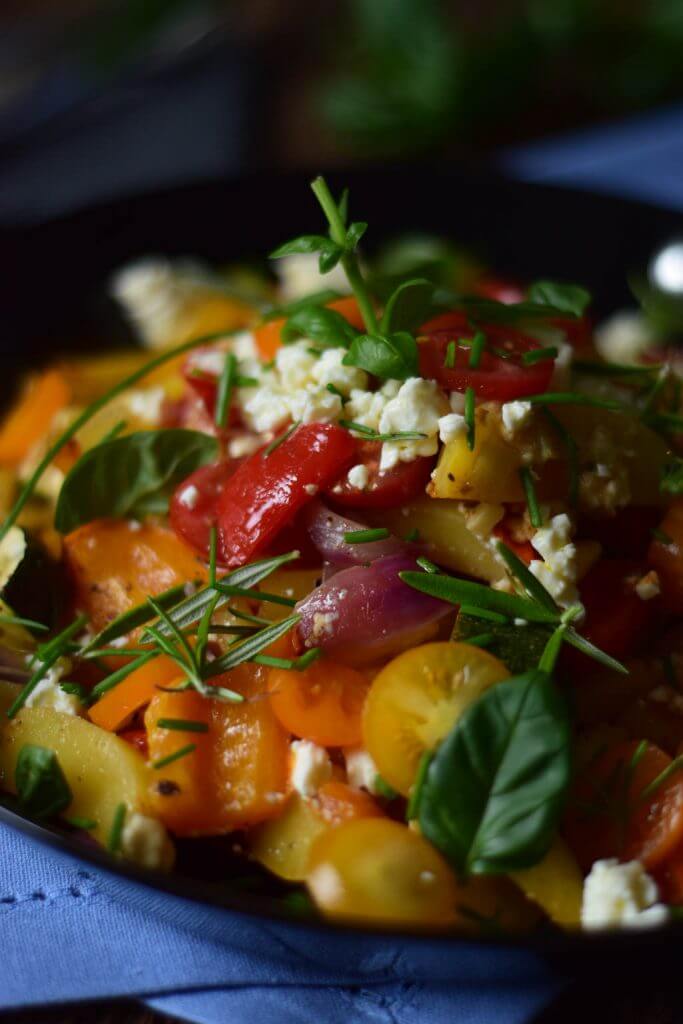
100, 97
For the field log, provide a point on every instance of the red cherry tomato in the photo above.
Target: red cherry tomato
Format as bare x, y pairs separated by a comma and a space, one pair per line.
617, 620
500, 290
266, 492
204, 384
192, 515
389, 489
495, 378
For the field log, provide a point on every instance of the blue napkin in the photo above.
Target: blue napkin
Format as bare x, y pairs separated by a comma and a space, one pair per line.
640, 158
71, 931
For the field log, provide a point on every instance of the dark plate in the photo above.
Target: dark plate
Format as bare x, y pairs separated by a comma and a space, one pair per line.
52, 298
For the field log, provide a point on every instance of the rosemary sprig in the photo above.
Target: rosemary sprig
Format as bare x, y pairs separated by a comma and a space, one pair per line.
46, 655
226, 383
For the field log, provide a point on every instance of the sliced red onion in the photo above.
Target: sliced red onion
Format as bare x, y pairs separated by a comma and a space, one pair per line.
326, 529
366, 613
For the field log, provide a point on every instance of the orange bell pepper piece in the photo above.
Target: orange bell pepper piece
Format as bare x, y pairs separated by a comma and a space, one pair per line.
115, 565
113, 710
267, 336
32, 416
236, 776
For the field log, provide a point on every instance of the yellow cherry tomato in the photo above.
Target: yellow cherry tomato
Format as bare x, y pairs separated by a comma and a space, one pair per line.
283, 845
374, 869
555, 884
416, 699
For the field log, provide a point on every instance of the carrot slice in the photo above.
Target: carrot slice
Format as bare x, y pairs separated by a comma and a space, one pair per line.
116, 706
32, 416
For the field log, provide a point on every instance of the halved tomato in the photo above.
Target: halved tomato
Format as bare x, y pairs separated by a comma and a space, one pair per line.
388, 489
322, 703
501, 374
194, 505
416, 699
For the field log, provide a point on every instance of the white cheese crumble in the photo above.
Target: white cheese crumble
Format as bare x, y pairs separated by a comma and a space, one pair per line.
358, 476
146, 403
361, 770
145, 841
12, 551
189, 497
515, 415
418, 406
647, 586
624, 337
607, 485
243, 444
155, 293
310, 767
300, 276
329, 369
49, 694
451, 427
558, 569
623, 895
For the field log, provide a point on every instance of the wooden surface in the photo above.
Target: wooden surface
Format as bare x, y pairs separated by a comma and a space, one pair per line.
580, 1005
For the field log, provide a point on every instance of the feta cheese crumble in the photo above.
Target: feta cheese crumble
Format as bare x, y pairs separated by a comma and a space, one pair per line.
156, 292
558, 569
361, 770
451, 427
358, 476
12, 551
49, 694
417, 407
624, 337
647, 586
515, 415
189, 497
145, 841
623, 895
310, 768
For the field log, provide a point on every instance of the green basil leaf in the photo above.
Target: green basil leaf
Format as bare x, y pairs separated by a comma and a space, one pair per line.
40, 783
354, 234
495, 788
409, 305
306, 244
518, 647
131, 476
387, 357
327, 261
569, 298
671, 481
324, 326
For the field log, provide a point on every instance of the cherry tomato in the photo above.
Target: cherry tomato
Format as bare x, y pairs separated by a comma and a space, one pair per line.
500, 290
417, 698
617, 620
337, 802
376, 870
204, 384
611, 815
495, 378
267, 491
523, 549
394, 487
137, 738
322, 703
666, 556
192, 515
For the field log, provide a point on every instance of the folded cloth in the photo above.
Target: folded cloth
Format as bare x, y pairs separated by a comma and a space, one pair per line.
640, 158
73, 932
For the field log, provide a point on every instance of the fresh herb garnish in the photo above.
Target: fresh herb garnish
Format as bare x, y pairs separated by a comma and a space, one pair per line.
535, 517
116, 830
279, 440
477, 346
132, 476
413, 808
47, 655
426, 564
325, 327
661, 536
469, 417
247, 649
368, 434
162, 762
112, 680
671, 481
39, 780
449, 358
299, 664
493, 793
572, 451
366, 536
17, 620
568, 298
539, 355
181, 725
574, 398
85, 824
226, 383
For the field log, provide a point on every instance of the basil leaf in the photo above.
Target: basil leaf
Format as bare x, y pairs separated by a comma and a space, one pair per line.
307, 244
324, 326
387, 357
40, 783
494, 790
569, 298
131, 476
671, 481
518, 647
408, 306
354, 234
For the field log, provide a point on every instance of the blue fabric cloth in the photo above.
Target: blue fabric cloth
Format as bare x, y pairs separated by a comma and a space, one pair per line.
71, 931
640, 158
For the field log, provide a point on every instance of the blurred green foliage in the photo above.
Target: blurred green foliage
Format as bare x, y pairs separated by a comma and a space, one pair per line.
411, 74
